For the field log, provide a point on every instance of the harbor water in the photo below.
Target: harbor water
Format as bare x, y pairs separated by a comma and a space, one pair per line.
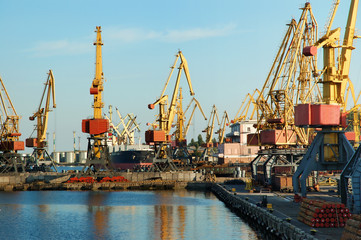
137, 215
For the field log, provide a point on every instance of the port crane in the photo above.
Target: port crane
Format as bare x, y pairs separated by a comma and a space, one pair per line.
222, 127
291, 80
331, 146
208, 146
10, 144
161, 138
248, 103
180, 149
98, 151
40, 154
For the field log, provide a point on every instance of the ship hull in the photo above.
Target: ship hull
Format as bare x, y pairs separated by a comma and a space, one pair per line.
130, 159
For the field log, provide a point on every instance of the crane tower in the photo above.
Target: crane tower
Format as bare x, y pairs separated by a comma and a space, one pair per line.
97, 127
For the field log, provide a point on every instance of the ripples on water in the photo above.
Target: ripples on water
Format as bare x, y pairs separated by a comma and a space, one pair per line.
118, 215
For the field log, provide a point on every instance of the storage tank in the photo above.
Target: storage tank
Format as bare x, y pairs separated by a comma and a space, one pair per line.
69, 157
56, 157
82, 156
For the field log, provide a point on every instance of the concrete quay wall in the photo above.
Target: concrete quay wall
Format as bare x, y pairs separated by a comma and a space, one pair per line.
260, 217
136, 181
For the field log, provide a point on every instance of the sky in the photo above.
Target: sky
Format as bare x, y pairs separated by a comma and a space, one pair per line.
229, 45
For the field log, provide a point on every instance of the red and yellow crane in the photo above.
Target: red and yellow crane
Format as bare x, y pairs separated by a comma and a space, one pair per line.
10, 160
161, 137
40, 154
180, 149
330, 150
97, 127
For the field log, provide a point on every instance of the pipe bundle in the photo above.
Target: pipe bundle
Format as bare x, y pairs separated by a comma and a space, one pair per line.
319, 213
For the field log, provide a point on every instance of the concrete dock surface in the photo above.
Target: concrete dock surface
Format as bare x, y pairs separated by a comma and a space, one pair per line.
284, 207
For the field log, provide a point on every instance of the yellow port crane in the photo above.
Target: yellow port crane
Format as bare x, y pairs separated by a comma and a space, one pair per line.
291, 80
160, 137
222, 127
180, 150
98, 152
196, 104
208, 146
40, 144
10, 160
330, 150
249, 103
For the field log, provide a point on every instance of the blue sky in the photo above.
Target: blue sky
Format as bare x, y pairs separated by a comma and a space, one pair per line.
229, 45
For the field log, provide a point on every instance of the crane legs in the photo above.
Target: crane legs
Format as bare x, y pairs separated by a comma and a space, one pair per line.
314, 159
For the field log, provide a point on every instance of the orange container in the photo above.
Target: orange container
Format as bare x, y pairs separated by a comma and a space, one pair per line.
95, 126
325, 115
12, 146
94, 91
17, 145
98, 126
303, 114
155, 136
31, 142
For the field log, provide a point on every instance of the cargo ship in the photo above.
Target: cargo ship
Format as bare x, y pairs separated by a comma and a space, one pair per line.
131, 156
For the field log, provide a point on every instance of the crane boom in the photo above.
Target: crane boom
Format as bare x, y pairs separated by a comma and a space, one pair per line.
42, 114
9, 121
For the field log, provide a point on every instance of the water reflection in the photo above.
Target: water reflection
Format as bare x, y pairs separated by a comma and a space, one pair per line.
96, 206
118, 215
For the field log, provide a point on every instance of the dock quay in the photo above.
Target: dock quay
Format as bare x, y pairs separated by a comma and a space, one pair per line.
133, 181
278, 222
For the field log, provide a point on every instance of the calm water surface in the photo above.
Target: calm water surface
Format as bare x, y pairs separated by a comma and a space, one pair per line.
118, 215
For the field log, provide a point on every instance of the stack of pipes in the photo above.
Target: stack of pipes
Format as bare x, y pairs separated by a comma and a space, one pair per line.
319, 213
352, 228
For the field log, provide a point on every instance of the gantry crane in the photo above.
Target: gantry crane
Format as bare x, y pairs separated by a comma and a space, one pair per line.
180, 150
208, 146
98, 151
160, 138
330, 150
10, 159
40, 154
291, 80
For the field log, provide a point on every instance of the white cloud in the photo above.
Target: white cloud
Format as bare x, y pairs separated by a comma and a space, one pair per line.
60, 47
127, 35
137, 34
